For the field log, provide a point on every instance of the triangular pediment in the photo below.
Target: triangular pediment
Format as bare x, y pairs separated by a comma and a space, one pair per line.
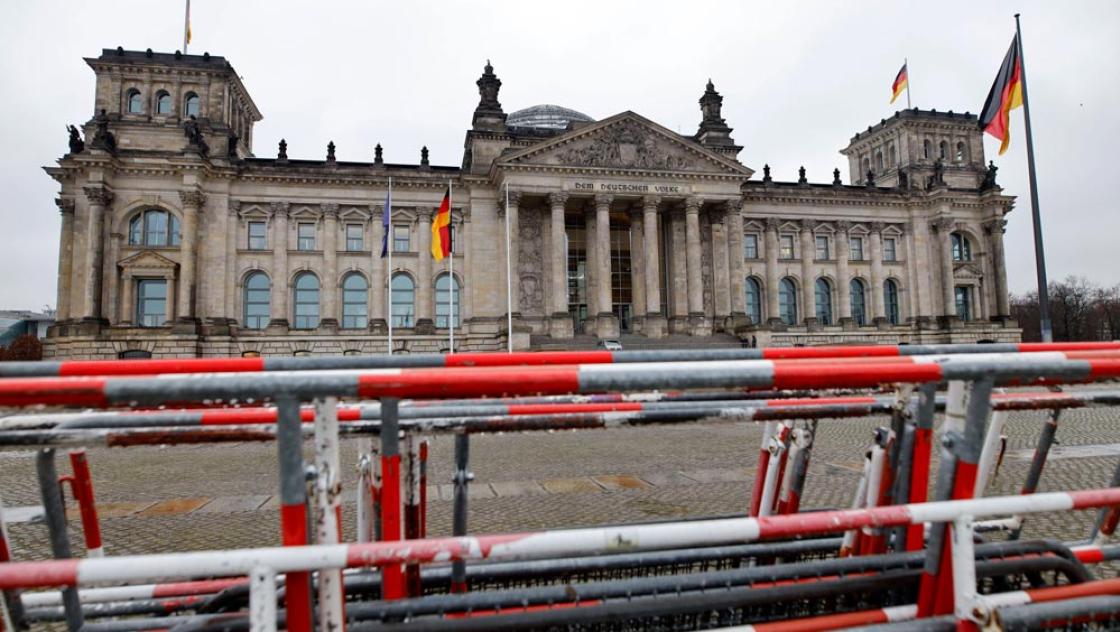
626, 141
967, 270
147, 260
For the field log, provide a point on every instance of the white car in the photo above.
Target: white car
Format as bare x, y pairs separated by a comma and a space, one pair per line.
610, 345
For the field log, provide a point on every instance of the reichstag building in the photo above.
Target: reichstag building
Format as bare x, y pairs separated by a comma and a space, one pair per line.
177, 240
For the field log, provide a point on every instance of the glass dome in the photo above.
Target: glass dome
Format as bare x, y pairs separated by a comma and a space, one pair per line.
546, 116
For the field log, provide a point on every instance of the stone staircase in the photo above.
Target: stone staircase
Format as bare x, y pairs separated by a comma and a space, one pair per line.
632, 342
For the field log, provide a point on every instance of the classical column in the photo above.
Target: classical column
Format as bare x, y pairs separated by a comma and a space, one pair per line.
735, 258
233, 232
678, 274
99, 199
653, 324
560, 325
879, 314
721, 272
994, 229
330, 266
514, 211
944, 227
692, 256
772, 304
468, 276
424, 322
637, 266
279, 294
843, 279
808, 283
109, 298
188, 253
378, 282
65, 258
590, 267
128, 303
919, 262
606, 324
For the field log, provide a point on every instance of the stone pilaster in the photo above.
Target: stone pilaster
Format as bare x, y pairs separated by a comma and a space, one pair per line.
843, 276
98, 201
591, 268
109, 295
65, 258
738, 280
654, 323
128, 301
637, 269
678, 274
193, 202
923, 270
808, 282
994, 229
378, 285
878, 310
560, 321
944, 228
698, 324
775, 319
606, 323
424, 322
233, 233
514, 212
330, 284
279, 296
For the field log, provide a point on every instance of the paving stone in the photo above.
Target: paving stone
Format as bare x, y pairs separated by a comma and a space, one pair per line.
273, 503
666, 479
33, 513
570, 485
119, 510
174, 506
508, 489
620, 481
729, 475
233, 504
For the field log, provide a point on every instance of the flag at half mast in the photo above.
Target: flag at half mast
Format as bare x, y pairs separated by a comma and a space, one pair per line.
441, 228
1006, 95
899, 83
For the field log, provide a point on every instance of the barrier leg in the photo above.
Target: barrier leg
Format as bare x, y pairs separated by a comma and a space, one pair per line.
262, 600
82, 486
56, 524
848, 544
1108, 518
375, 492
874, 486
423, 489
990, 452
293, 509
11, 608
1038, 461
364, 499
922, 452
964, 576
461, 478
773, 472
392, 576
761, 470
412, 510
327, 502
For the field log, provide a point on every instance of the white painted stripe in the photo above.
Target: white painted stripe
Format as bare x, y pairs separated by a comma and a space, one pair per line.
980, 358
901, 613
210, 563
946, 511
264, 374
1012, 598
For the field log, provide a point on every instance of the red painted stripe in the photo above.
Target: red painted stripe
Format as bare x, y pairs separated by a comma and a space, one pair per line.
238, 416
527, 358
1030, 347
39, 574
154, 367
483, 381
759, 481
824, 622
919, 483
293, 532
1089, 555
1104, 368
1095, 498
84, 391
811, 375
819, 401
549, 409
832, 521
858, 351
1074, 591
203, 587
393, 582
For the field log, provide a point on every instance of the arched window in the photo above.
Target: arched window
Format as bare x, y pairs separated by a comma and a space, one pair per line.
135, 102
890, 300
824, 301
944, 150
879, 161
443, 307
154, 228
960, 157
858, 302
962, 249
163, 102
892, 156
926, 151
787, 301
754, 300
257, 297
403, 295
306, 301
191, 105
355, 301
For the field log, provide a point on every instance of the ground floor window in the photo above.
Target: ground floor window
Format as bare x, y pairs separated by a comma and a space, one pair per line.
403, 295
151, 302
787, 301
964, 302
890, 300
355, 295
858, 302
754, 300
447, 300
307, 301
824, 301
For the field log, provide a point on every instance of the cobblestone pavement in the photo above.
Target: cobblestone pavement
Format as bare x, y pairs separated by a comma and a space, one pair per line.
221, 496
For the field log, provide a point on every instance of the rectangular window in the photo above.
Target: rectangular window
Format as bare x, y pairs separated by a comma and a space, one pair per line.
258, 236
822, 248
890, 251
151, 302
306, 236
785, 250
750, 246
855, 248
401, 239
964, 303
355, 237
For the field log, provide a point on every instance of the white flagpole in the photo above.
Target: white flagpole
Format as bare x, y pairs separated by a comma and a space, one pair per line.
186, 27
906, 62
451, 273
509, 283
389, 247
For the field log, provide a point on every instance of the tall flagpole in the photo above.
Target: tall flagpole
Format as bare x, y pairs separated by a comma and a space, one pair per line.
389, 248
1039, 254
906, 63
187, 27
509, 283
450, 271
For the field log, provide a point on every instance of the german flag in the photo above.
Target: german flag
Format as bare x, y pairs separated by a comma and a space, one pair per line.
441, 228
1006, 95
899, 83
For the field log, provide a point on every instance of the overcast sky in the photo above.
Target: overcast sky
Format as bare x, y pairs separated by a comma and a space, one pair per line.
798, 80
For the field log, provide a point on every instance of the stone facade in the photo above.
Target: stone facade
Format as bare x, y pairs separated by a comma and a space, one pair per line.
177, 241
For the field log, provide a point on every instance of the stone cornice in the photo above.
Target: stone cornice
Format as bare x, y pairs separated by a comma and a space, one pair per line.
606, 172
98, 195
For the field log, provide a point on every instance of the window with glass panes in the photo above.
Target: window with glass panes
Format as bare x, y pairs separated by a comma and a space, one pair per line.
890, 249
824, 301
822, 247
787, 301
858, 302
355, 301
447, 300
785, 250
151, 302
257, 295
401, 239
890, 300
258, 236
305, 233
306, 303
355, 237
750, 246
964, 302
754, 300
154, 228
403, 295
855, 248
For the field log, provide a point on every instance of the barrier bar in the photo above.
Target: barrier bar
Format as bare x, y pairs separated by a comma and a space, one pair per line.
392, 577
293, 511
81, 486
